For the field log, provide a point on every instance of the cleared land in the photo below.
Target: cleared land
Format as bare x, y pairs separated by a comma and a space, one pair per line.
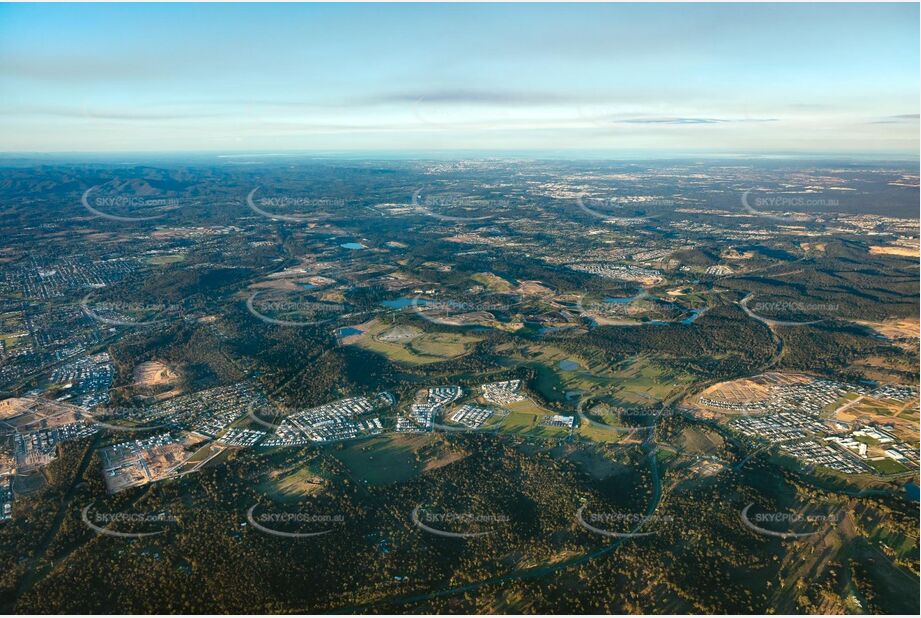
894, 250
154, 373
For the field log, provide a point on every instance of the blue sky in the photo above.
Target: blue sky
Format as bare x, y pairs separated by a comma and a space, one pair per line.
622, 78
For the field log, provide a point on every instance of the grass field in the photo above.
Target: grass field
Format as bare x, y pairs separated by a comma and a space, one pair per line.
492, 282
385, 459
11, 340
524, 418
159, 260
639, 381
870, 411
292, 484
643, 382
421, 350
601, 434
887, 466
555, 380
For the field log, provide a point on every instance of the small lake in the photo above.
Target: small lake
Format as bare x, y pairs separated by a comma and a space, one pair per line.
352, 245
568, 365
403, 302
695, 313
349, 331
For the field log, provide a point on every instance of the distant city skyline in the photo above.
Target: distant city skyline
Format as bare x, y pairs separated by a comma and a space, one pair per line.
651, 80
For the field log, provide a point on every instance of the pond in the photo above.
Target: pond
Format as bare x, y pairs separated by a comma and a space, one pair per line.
403, 302
695, 313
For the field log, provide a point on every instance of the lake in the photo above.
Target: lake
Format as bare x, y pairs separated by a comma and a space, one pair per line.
403, 302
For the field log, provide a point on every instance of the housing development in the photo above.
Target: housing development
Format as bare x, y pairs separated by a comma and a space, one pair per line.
484, 308
370, 377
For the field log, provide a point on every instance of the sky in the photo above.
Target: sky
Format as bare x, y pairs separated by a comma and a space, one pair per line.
666, 79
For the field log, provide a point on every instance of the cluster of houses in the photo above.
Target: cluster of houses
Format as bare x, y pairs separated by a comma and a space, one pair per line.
211, 411
471, 416
86, 381
895, 391
241, 437
796, 426
6, 497
810, 398
719, 270
339, 420
432, 401
780, 427
608, 270
815, 454
55, 279
502, 393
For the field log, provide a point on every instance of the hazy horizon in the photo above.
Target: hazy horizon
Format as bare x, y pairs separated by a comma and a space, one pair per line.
630, 80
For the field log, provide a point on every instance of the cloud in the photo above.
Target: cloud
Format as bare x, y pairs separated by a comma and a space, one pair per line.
683, 120
477, 97
898, 118
130, 115
81, 68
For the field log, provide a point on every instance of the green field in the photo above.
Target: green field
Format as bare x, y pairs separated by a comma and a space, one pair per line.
524, 418
159, 260
600, 434
492, 282
424, 349
386, 459
644, 382
638, 381
887, 466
